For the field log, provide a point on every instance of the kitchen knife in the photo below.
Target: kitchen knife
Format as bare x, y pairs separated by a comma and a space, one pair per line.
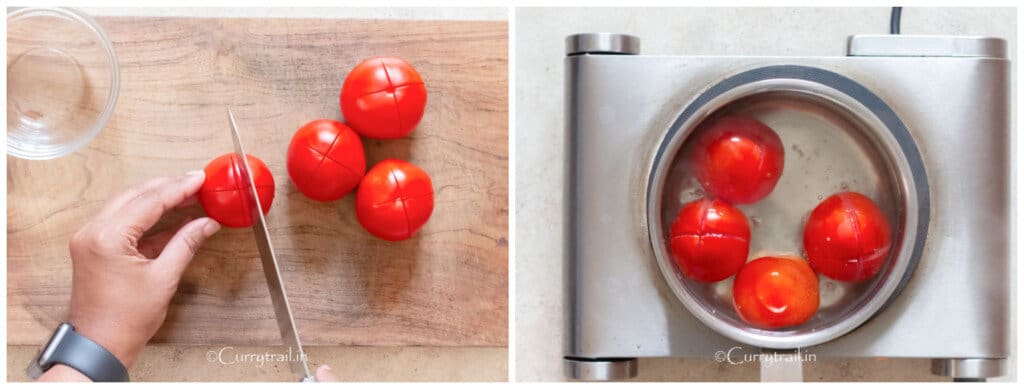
282, 311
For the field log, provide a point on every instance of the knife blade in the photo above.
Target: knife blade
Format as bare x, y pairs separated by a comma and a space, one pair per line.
271, 269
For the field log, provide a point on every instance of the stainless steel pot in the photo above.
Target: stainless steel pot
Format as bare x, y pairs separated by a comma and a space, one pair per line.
839, 136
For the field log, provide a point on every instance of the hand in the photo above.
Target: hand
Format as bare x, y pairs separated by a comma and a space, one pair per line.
122, 283
324, 374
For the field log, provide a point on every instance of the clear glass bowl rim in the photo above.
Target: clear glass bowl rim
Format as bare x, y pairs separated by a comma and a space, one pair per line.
80, 17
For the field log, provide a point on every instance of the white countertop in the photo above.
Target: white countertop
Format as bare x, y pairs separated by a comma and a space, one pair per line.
539, 140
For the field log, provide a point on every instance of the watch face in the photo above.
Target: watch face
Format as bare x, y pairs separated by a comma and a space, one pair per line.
51, 346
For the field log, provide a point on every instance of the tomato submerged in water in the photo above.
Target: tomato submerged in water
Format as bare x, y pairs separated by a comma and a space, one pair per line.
394, 200
326, 160
776, 292
738, 159
383, 98
224, 193
847, 238
709, 240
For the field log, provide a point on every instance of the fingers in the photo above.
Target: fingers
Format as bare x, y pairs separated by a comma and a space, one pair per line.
189, 201
180, 249
324, 374
114, 205
142, 212
151, 246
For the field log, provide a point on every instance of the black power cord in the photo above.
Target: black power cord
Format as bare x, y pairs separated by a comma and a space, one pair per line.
894, 20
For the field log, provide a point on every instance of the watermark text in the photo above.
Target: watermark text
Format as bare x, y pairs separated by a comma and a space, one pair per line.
736, 356
228, 356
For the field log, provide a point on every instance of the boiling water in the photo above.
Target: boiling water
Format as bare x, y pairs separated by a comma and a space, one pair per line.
825, 153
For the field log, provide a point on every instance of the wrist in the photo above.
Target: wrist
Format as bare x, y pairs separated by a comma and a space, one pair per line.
67, 349
118, 343
63, 373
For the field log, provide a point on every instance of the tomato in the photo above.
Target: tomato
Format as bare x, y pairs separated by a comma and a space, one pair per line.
326, 160
394, 200
223, 195
383, 97
847, 237
709, 240
738, 159
775, 292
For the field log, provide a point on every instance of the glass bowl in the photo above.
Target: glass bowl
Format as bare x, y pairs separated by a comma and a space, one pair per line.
62, 81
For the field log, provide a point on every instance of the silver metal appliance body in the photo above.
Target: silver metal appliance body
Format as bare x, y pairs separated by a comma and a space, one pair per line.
952, 97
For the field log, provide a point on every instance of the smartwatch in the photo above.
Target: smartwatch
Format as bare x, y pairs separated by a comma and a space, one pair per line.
67, 347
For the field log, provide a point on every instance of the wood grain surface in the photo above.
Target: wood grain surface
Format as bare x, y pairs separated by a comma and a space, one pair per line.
448, 286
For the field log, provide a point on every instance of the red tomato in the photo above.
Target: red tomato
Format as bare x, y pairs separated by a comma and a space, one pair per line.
326, 160
383, 97
394, 200
223, 193
847, 237
775, 292
709, 240
738, 159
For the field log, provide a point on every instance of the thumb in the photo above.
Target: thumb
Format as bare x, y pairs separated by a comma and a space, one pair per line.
183, 245
324, 374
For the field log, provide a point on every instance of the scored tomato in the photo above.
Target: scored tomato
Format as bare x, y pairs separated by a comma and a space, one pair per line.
847, 238
224, 193
738, 159
394, 200
326, 160
383, 98
776, 292
709, 240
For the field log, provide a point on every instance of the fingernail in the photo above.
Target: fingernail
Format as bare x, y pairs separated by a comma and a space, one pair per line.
197, 173
326, 367
210, 227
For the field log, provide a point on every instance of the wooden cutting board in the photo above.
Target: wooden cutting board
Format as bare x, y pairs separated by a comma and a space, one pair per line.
446, 286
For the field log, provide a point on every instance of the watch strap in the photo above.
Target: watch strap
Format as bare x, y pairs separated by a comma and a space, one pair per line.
89, 358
